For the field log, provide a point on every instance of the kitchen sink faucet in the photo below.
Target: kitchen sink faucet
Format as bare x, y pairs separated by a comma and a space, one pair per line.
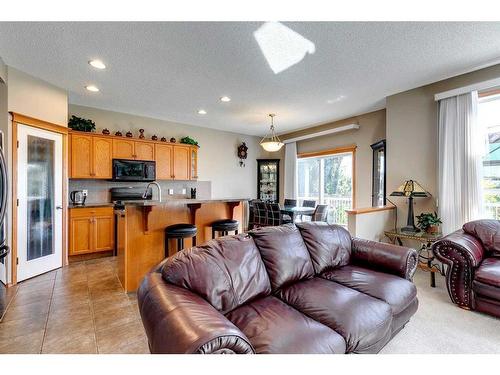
144, 196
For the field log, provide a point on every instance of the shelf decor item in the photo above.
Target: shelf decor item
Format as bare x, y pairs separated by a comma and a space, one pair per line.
118, 133
410, 189
163, 139
129, 134
189, 141
172, 140
154, 138
271, 142
429, 222
141, 133
105, 131
81, 124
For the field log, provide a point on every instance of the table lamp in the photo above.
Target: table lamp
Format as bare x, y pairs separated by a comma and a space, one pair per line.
410, 189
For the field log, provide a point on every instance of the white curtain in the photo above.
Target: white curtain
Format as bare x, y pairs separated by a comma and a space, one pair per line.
460, 150
291, 170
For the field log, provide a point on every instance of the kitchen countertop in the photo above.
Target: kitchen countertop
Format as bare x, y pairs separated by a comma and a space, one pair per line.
144, 203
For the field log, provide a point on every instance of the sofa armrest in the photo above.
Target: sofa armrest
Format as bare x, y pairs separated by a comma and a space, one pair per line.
379, 256
462, 253
178, 321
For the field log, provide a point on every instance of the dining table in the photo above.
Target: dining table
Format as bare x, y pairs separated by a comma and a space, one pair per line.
293, 211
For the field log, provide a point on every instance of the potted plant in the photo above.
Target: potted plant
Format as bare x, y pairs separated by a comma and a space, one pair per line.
189, 141
81, 124
429, 222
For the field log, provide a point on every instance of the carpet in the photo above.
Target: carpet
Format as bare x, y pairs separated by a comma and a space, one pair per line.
440, 327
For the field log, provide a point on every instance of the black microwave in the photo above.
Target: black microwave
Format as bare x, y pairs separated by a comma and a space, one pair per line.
134, 170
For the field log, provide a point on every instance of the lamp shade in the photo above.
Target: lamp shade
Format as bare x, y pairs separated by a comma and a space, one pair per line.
410, 188
271, 142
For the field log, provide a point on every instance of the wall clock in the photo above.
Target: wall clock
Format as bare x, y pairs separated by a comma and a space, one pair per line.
242, 153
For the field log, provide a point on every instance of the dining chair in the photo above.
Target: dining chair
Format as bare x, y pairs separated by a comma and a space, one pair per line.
259, 214
320, 213
273, 214
309, 203
291, 202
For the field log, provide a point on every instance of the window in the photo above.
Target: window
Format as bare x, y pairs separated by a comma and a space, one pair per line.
489, 119
378, 174
327, 179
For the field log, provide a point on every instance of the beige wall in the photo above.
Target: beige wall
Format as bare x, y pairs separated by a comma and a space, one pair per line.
217, 156
412, 137
372, 129
33, 97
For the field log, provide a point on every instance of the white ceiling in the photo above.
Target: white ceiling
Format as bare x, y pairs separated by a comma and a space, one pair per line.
170, 70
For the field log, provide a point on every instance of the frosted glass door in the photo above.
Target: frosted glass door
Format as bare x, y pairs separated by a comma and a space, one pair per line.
40, 201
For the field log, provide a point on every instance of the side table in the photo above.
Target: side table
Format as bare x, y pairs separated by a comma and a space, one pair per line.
426, 259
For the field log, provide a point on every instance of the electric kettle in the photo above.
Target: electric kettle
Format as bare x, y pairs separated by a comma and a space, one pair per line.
78, 197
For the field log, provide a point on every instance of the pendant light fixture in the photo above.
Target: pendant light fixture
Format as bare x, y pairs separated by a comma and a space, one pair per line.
271, 142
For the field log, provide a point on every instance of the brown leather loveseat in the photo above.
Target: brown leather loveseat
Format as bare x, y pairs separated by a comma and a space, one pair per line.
473, 258
308, 288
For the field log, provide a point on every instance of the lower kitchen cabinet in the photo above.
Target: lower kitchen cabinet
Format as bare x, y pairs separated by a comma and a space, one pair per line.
91, 230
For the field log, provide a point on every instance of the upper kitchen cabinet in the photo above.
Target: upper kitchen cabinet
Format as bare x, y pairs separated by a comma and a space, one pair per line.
129, 149
181, 164
164, 159
144, 151
90, 156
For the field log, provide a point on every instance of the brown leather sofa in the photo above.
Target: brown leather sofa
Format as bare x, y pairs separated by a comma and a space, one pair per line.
308, 288
472, 255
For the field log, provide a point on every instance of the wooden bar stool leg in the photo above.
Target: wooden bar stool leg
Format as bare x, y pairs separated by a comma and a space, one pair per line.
213, 233
194, 240
180, 244
166, 246
236, 231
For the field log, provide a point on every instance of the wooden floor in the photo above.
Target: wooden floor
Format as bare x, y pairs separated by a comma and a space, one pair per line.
78, 309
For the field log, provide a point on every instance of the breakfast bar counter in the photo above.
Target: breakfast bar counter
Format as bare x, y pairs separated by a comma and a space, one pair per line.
141, 225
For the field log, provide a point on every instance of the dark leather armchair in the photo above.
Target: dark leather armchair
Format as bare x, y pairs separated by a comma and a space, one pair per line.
473, 265
286, 289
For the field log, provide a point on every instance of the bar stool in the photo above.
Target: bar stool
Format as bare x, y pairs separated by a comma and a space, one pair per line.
179, 231
224, 226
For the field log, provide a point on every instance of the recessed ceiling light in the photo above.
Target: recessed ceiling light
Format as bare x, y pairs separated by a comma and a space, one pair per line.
92, 88
202, 112
98, 64
225, 99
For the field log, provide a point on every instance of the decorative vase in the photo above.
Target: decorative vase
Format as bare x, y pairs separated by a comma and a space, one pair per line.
432, 229
118, 133
154, 138
172, 140
129, 135
105, 131
163, 139
141, 133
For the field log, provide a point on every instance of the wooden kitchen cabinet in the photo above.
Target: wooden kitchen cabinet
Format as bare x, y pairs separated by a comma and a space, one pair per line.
164, 159
181, 166
90, 156
123, 149
144, 151
91, 230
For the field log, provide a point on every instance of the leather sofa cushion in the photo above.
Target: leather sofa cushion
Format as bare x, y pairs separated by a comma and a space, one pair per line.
329, 245
284, 254
488, 232
274, 327
488, 272
394, 290
486, 290
363, 321
226, 272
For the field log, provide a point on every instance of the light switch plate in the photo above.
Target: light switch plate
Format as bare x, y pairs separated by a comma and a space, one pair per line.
183, 191
170, 191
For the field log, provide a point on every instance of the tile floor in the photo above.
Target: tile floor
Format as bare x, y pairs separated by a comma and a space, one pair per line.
81, 308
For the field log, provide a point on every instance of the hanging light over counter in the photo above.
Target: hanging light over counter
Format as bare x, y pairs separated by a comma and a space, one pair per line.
271, 142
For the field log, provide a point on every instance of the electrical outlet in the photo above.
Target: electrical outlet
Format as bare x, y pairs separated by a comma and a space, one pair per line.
85, 192
184, 191
170, 191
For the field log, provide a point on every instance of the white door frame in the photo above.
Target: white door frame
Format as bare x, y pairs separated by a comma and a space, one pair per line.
34, 267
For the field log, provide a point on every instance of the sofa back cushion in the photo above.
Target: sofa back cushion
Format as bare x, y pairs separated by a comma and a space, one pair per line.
227, 272
329, 245
284, 254
488, 232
